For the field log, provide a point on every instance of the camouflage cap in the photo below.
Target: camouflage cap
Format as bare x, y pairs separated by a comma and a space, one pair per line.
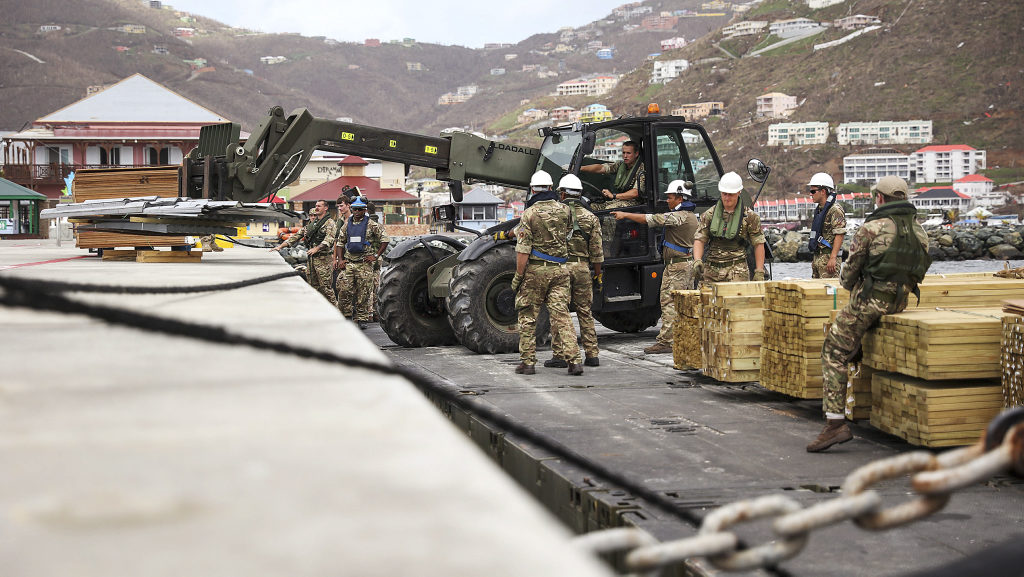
891, 187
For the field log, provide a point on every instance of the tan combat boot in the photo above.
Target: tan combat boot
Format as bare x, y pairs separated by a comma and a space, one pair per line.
834, 433
658, 348
525, 369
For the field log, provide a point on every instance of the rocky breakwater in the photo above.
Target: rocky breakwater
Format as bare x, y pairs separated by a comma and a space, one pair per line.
958, 243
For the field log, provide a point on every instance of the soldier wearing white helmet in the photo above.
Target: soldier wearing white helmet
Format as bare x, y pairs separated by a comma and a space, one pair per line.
541, 254
827, 229
719, 247
584, 251
677, 251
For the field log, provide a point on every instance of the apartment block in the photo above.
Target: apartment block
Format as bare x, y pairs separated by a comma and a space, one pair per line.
797, 133
744, 28
776, 105
947, 163
665, 70
885, 132
699, 109
793, 27
872, 165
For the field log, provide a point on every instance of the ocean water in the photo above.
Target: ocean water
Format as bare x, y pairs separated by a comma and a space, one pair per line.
800, 270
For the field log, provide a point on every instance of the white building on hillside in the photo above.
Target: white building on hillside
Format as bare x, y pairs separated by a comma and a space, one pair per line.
776, 105
673, 43
589, 86
818, 4
947, 163
797, 133
885, 132
744, 28
939, 199
981, 190
794, 27
856, 21
665, 70
871, 165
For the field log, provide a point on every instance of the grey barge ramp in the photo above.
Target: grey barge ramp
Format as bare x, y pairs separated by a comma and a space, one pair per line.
704, 444
125, 451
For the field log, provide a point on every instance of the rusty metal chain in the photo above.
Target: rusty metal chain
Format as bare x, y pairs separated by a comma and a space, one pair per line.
934, 479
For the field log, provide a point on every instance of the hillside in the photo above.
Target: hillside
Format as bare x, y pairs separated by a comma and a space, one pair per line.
369, 84
958, 64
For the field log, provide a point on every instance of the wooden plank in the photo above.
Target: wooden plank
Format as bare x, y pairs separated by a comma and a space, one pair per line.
169, 256
120, 254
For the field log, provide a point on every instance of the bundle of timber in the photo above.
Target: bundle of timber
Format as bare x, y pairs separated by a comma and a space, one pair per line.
937, 344
933, 413
103, 239
731, 324
101, 183
976, 290
795, 315
686, 349
1012, 360
858, 393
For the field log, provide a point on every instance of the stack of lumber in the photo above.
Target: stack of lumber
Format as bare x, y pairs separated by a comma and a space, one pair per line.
937, 344
731, 322
795, 315
108, 183
1012, 360
933, 413
686, 347
970, 289
858, 394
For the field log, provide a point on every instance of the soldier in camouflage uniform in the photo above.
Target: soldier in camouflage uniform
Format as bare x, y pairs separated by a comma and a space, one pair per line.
629, 178
680, 226
584, 251
319, 269
362, 240
344, 302
728, 228
542, 278
828, 228
888, 257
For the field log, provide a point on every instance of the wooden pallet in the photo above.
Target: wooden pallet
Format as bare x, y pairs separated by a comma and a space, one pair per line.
102, 239
152, 255
933, 413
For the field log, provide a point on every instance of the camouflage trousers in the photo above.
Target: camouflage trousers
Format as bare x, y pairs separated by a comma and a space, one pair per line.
356, 283
734, 270
344, 299
855, 319
320, 273
546, 285
819, 262
677, 276
582, 298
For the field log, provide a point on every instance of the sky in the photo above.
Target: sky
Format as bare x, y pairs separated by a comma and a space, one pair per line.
443, 22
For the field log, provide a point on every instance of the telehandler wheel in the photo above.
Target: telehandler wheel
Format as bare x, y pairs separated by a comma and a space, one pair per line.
481, 304
630, 321
407, 314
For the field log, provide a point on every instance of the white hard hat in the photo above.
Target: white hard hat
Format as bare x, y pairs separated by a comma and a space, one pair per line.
678, 187
730, 183
571, 184
541, 178
822, 179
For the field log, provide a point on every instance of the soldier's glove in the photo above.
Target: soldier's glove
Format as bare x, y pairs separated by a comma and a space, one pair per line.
759, 275
501, 235
698, 269
517, 281
598, 281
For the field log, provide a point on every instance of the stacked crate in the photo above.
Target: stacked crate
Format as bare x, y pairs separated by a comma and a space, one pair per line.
732, 320
114, 183
938, 373
686, 345
795, 316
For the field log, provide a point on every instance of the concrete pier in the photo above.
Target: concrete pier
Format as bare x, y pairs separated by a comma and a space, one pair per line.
128, 452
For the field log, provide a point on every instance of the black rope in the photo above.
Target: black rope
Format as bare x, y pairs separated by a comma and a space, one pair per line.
238, 242
37, 298
23, 284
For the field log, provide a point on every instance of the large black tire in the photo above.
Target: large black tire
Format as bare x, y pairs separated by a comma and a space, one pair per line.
630, 321
407, 314
481, 303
